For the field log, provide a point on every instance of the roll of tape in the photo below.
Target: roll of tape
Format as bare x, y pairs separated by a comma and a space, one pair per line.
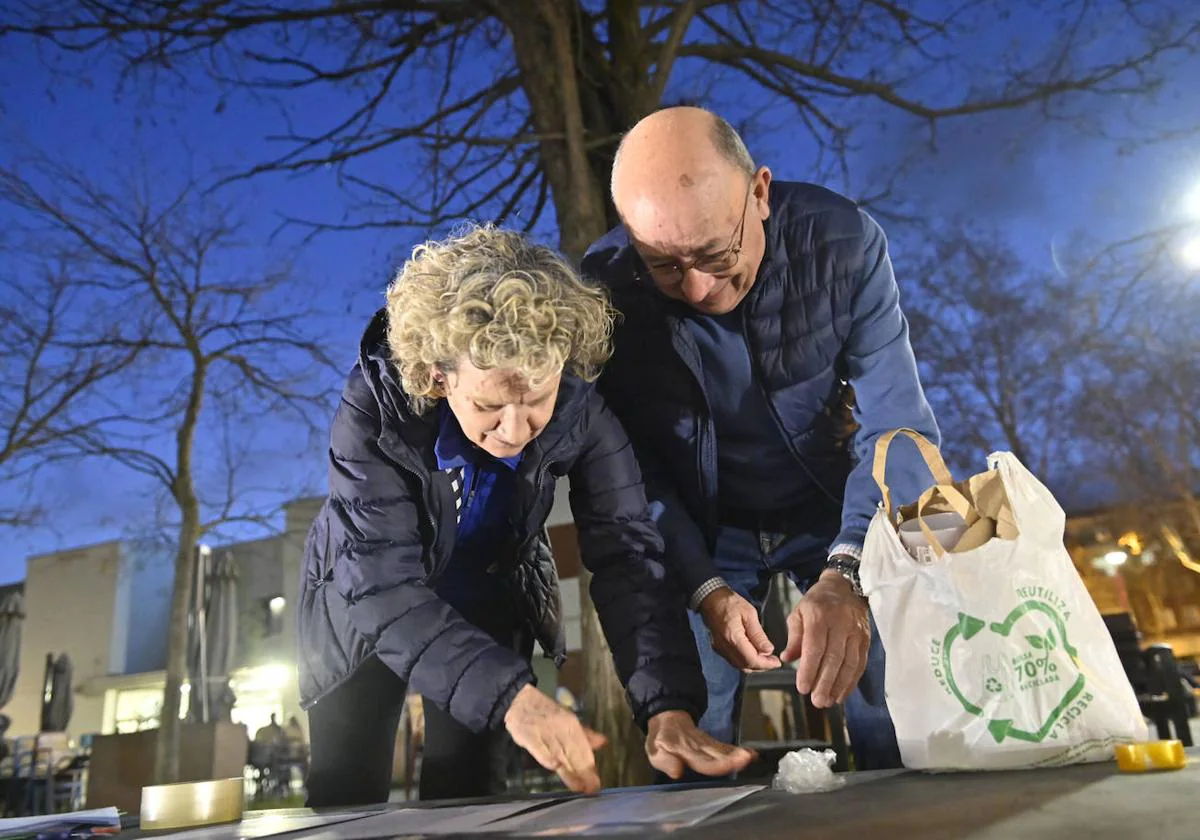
1151, 755
192, 803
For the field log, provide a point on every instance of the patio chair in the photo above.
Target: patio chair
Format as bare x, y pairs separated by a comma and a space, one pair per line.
1155, 676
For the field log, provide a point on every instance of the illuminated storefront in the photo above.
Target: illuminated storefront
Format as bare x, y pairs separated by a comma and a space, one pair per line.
133, 702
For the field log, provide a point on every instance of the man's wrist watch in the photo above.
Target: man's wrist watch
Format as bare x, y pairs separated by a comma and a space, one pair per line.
846, 565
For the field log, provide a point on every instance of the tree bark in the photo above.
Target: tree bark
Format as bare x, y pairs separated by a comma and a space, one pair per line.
166, 752
544, 42
623, 762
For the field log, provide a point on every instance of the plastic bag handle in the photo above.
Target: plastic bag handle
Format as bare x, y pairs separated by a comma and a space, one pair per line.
929, 452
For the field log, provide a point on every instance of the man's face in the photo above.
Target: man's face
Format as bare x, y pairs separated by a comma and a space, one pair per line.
703, 246
496, 410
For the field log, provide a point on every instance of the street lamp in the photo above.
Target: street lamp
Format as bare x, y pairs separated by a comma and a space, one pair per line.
1191, 203
1189, 253
1115, 558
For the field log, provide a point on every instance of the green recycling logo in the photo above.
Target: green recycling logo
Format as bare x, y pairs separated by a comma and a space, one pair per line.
1034, 660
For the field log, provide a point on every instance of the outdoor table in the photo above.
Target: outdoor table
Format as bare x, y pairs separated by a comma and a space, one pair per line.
1091, 802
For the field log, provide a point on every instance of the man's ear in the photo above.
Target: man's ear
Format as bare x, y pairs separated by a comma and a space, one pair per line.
762, 192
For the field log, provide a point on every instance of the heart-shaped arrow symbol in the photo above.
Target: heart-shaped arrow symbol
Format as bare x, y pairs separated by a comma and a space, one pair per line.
969, 626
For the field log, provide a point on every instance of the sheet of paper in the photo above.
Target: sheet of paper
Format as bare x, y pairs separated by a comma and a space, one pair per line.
270, 823
108, 817
463, 819
664, 810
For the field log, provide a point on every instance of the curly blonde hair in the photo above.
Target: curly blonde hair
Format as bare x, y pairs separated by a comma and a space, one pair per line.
500, 300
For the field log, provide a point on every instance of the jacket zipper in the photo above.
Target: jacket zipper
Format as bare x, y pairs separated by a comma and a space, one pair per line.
704, 431
758, 383
538, 479
435, 568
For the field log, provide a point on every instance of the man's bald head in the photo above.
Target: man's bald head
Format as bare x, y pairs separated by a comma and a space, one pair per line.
689, 137
683, 182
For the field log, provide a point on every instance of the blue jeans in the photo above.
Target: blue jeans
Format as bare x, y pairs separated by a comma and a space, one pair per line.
747, 560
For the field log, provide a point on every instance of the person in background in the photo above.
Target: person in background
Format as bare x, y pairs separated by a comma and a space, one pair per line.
293, 733
761, 353
428, 566
271, 735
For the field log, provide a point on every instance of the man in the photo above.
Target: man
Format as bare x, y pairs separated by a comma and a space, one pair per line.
270, 735
762, 329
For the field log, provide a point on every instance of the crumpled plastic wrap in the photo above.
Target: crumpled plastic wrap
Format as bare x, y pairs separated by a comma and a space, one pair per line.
807, 771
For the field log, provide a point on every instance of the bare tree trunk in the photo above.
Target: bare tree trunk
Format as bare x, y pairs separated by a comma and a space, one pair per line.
1191, 506
166, 754
543, 34
559, 63
623, 762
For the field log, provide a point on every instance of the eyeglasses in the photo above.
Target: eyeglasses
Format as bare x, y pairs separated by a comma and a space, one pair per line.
672, 272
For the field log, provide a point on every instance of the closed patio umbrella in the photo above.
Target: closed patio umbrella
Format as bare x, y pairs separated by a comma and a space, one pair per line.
58, 702
214, 620
222, 630
12, 615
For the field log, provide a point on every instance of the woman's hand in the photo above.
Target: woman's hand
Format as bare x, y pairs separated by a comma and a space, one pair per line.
674, 743
555, 738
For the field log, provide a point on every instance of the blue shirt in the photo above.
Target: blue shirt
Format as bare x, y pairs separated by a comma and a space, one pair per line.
749, 441
488, 487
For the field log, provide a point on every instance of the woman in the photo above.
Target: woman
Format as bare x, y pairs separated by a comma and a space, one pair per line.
428, 567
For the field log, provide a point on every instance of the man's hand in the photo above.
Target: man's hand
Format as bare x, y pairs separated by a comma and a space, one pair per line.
830, 633
555, 738
736, 632
674, 743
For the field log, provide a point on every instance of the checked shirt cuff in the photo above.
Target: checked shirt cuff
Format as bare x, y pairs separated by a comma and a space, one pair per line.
847, 550
707, 588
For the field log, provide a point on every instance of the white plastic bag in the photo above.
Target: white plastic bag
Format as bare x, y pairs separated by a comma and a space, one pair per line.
996, 655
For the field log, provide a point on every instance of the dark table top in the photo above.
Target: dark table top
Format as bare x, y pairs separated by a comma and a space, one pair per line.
1092, 801
1087, 801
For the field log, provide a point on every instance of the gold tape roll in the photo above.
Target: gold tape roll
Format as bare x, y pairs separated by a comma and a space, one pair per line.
192, 803
1151, 755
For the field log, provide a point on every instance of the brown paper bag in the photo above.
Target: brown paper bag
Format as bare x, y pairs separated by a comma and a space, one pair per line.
945, 498
980, 500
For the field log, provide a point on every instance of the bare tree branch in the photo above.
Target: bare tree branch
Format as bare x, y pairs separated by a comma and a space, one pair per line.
472, 135
48, 379
1088, 376
184, 342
